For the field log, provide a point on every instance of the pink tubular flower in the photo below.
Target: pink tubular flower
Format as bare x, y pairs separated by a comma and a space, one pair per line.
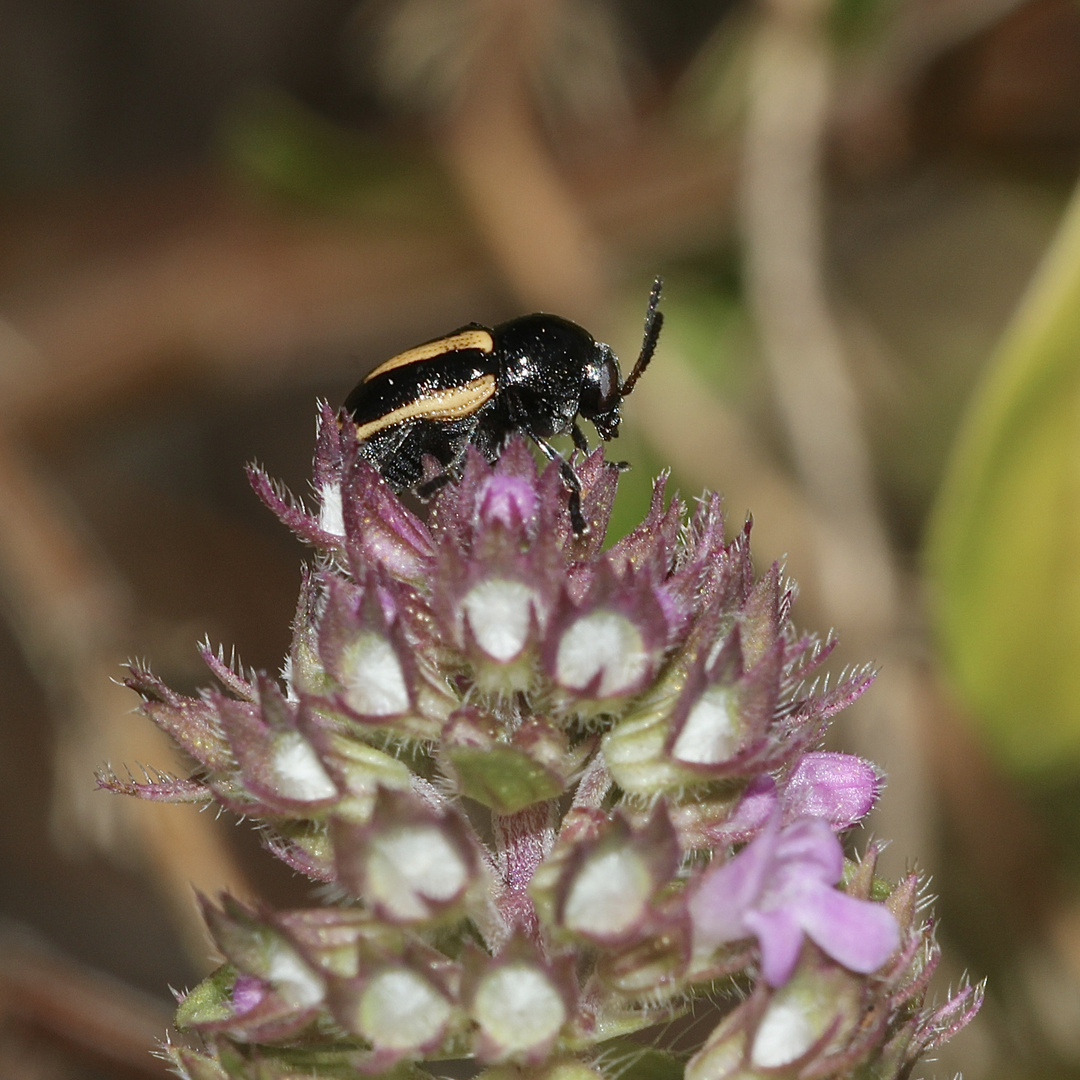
840, 788
779, 888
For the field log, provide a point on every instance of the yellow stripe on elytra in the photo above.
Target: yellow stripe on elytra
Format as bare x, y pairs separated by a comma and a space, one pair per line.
452, 404
467, 339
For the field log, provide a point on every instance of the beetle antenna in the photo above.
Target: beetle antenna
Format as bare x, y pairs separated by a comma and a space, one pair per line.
654, 320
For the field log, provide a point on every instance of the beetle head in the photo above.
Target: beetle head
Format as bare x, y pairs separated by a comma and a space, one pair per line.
602, 392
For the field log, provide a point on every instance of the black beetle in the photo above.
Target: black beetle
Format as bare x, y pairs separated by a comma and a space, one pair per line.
478, 386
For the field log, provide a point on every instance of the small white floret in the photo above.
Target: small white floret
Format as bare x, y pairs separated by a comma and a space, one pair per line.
400, 1010
604, 643
499, 614
372, 676
712, 732
786, 1032
295, 981
411, 865
609, 895
298, 772
331, 517
518, 1007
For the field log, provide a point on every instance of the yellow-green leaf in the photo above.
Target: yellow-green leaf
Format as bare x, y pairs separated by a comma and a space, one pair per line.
1004, 543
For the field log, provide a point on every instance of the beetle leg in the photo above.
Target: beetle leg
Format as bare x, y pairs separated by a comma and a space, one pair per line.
381, 446
425, 490
581, 443
570, 480
465, 440
518, 417
452, 468
382, 450
577, 519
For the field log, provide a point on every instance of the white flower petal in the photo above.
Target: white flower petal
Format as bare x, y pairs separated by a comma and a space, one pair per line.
602, 642
298, 772
786, 1032
801, 1013
372, 676
295, 981
499, 613
414, 864
331, 518
609, 894
518, 1007
712, 732
400, 1010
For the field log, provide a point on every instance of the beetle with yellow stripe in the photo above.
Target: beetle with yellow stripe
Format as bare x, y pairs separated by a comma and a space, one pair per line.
478, 386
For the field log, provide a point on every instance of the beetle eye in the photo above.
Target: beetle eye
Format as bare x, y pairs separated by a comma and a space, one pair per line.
606, 382
600, 391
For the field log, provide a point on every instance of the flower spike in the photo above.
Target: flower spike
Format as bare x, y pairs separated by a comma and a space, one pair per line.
555, 795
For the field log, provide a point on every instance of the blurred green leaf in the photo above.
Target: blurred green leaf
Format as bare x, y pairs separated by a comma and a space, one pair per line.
652, 1064
707, 323
711, 96
277, 146
851, 22
1004, 544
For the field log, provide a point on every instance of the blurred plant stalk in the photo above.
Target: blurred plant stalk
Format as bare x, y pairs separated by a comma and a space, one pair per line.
72, 616
521, 203
82, 1012
789, 106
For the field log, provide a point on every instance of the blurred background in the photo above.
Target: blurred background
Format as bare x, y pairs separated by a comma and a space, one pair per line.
212, 213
